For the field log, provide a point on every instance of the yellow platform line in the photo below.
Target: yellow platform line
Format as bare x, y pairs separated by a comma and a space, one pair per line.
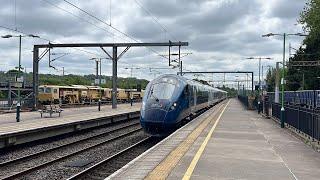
196, 158
165, 167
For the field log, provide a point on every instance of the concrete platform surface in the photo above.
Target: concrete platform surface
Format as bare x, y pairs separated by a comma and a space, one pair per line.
32, 120
243, 145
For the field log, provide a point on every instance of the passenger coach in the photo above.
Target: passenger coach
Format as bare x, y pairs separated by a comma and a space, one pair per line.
169, 99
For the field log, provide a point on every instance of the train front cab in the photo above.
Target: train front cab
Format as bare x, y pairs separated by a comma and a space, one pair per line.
48, 94
163, 106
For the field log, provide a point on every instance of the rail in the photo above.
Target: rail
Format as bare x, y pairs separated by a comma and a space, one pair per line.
40, 165
101, 170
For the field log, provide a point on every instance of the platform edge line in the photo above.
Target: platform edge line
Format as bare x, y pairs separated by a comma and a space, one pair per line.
196, 158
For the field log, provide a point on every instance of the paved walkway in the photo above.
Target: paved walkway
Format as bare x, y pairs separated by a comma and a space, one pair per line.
246, 146
32, 120
67, 112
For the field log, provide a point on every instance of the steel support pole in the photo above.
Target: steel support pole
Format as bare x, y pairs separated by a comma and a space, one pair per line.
114, 77
247, 83
35, 82
169, 56
252, 82
97, 69
9, 94
19, 90
180, 63
100, 94
180, 68
259, 75
262, 76
282, 82
276, 92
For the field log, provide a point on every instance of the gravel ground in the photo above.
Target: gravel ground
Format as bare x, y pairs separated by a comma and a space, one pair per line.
62, 170
10, 154
106, 169
62, 151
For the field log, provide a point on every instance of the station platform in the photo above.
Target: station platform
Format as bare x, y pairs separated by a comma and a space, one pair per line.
32, 127
226, 142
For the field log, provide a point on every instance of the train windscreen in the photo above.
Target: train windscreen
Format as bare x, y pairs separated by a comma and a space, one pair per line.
162, 90
41, 90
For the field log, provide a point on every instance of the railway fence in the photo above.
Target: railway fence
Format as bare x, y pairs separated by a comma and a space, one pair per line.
250, 102
243, 100
305, 120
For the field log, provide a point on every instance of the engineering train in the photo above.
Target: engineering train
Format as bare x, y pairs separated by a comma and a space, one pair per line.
72, 94
171, 99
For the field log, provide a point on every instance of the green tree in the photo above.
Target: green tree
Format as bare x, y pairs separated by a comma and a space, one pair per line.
310, 19
270, 80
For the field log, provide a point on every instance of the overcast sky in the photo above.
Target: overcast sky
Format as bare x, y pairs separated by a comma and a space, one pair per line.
221, 33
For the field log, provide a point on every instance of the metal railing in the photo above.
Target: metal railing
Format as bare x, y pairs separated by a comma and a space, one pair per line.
243, 100
305, 120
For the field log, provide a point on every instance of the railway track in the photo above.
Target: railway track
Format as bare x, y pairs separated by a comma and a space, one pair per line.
61, 152
111, 164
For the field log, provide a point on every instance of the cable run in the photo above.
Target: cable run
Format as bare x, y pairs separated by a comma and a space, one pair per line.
56, 6
114, 28
155, 19
45, 39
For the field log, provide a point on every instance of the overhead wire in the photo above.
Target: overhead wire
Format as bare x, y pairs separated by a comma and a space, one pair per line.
114, 28
45, 39
98, 19
156, 20
79, 17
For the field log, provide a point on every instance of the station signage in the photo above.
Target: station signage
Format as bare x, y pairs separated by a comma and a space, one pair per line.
103, 81
19, 79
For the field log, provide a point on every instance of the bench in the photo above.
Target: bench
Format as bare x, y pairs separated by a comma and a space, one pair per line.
50, 109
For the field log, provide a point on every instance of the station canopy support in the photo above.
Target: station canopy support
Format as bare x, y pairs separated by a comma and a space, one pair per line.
114, 57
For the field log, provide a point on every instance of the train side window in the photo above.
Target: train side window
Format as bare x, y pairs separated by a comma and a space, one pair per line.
55, 91
48, 90
41, 90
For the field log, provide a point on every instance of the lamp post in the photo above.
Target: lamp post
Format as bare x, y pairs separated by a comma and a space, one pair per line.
259, 58
19, 69
131, 95
284, 35
98, 61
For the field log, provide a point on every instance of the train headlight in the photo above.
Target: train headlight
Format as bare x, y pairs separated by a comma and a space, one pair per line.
174, 105
143, 105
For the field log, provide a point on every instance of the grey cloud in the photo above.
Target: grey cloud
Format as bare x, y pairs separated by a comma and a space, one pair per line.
216, 18
169, 8
220, 33
287, 9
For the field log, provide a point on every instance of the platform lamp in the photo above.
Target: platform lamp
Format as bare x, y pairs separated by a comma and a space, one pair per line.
284, 35
19, 68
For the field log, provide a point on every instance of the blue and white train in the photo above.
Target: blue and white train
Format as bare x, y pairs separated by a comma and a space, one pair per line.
169, 99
